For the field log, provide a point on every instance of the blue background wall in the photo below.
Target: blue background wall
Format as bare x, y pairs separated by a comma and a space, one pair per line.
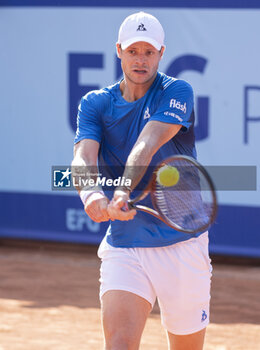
51, 55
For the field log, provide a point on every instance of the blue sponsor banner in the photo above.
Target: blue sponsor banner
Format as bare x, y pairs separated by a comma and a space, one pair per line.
47, 217
62, 218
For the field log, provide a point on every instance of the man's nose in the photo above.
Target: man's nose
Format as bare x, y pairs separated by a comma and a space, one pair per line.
141, 58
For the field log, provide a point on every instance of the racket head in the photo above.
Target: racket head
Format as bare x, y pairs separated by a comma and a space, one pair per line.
190, 205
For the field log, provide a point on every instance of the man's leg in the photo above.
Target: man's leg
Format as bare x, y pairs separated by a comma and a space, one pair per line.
123, 316
192, 341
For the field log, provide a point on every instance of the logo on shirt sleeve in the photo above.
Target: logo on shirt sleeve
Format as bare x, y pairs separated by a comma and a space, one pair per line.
173, 115
176, 104
146, 113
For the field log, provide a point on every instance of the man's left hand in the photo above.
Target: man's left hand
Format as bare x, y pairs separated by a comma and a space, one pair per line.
117, 208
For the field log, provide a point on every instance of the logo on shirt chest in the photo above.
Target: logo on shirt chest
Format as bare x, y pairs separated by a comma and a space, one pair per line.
176, 104
146, 113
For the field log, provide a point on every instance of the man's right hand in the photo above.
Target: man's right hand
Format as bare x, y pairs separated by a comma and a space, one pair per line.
96, 207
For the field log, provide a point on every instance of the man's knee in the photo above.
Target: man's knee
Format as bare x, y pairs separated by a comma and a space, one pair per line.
193, 341
120, 340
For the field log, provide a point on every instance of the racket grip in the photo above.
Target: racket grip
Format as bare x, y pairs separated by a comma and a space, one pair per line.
130, 205
127, 206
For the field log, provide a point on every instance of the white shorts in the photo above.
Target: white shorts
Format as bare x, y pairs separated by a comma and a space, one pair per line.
179, 275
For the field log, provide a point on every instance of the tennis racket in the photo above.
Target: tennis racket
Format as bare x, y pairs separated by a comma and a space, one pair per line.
190, 205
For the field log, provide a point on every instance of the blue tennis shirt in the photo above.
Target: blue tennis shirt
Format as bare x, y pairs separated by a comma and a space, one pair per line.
104, 116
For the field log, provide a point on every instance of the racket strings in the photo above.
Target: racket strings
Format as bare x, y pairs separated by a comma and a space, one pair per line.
189, 203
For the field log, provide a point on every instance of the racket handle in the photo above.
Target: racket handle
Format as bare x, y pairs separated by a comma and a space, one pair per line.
128, 206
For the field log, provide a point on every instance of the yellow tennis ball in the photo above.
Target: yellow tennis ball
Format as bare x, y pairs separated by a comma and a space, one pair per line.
167, 176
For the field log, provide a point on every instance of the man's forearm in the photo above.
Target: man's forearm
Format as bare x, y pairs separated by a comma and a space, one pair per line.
84, 165
137, 163
84, 174
153, 136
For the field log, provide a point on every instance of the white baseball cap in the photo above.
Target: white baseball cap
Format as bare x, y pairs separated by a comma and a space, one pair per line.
141, 26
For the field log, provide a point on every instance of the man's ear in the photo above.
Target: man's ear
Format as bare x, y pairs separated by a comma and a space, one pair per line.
162, 52
118, 50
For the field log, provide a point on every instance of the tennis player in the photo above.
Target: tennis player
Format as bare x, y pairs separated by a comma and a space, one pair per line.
139, 121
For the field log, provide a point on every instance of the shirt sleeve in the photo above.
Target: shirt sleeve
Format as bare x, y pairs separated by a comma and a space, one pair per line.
176, 104
88, 120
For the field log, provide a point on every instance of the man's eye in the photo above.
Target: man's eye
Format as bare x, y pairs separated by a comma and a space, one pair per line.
150, 53
132, 52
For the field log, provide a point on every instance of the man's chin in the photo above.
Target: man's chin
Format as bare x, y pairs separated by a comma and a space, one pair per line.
142, 78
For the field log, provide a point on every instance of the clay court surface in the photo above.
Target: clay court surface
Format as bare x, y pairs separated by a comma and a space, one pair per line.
49, 300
